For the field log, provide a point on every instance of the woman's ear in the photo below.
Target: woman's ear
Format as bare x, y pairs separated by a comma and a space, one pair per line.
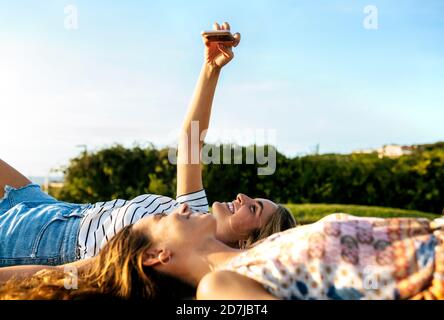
165, 256
152, 257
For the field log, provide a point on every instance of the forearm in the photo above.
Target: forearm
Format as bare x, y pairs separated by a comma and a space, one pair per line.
189, 173
20, 272
199, 110
24, 271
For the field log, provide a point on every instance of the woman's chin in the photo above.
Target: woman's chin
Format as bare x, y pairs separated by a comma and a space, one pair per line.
219, 212
215, 209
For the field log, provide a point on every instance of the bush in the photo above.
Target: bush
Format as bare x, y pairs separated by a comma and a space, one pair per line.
414, 182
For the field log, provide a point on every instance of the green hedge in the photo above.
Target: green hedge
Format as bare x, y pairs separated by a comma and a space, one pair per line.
414, 182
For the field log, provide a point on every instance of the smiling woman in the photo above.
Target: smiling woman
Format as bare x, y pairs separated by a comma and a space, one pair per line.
245, 220
37, 229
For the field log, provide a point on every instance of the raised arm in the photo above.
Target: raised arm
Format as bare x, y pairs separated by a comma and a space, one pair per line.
189, 173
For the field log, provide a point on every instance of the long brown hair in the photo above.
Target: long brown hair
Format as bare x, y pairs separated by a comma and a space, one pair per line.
117, 273
281, 220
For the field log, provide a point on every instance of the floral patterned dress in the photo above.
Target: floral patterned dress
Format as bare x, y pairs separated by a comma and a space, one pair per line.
347, 257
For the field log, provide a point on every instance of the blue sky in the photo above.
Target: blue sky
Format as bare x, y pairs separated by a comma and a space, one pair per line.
307, 69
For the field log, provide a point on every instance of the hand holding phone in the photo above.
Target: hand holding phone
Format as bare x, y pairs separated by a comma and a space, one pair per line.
219, 44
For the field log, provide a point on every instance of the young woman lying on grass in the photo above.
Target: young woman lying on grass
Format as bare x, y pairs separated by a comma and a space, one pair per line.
338, 257
36, 229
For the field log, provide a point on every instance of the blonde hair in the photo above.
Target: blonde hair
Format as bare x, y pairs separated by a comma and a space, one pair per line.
281, 220
117, 272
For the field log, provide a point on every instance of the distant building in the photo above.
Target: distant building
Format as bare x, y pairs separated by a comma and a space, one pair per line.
364, 151
389, 151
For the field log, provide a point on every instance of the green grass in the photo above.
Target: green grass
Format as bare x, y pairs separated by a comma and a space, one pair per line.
309, 213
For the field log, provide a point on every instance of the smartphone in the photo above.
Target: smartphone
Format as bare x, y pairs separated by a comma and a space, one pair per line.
218, 35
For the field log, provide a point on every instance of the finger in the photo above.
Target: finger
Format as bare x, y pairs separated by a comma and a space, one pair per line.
216, 26
225, 26
225, 50
237, 39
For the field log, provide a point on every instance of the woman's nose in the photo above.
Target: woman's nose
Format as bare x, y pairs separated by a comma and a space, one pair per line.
241, 198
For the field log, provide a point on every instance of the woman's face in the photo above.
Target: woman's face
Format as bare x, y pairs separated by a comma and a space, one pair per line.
179, 228
237, 219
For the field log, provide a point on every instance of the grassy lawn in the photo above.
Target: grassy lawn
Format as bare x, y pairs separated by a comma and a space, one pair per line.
309, 213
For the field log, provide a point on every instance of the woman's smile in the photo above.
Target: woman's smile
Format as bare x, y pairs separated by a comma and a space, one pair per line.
230, 207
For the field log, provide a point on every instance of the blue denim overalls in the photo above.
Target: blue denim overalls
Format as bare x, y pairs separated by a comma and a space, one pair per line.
35, 228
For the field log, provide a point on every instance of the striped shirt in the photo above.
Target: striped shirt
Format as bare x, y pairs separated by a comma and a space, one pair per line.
103, 220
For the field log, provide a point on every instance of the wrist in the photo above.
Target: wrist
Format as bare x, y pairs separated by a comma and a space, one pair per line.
211, 70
